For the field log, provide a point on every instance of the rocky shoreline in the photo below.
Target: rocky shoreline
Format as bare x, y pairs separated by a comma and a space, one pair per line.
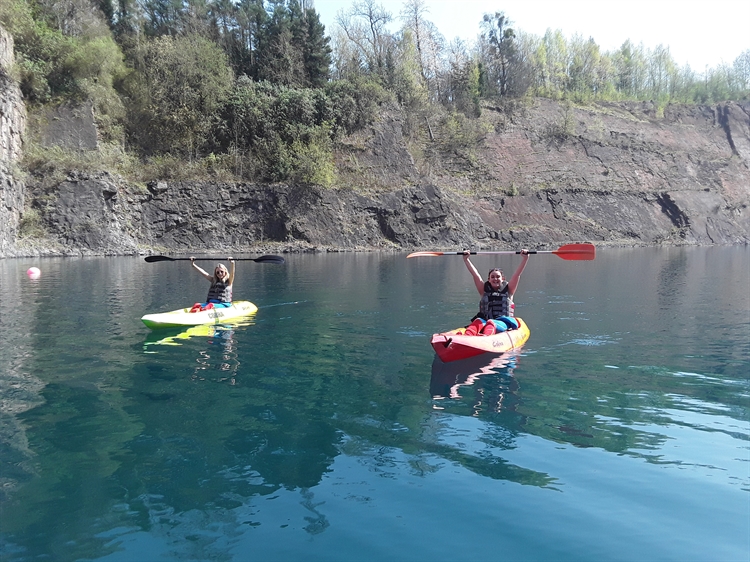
104, 216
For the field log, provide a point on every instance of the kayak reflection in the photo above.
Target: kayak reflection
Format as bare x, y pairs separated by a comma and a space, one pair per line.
177, 336
220, 356
448, 378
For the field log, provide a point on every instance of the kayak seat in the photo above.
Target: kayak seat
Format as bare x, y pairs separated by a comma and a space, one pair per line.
200, 306
510, 323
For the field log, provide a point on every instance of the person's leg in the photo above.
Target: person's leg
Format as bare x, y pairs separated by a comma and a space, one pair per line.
475, 327
489, 328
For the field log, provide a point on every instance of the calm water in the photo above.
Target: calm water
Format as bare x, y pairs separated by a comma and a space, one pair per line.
324, 429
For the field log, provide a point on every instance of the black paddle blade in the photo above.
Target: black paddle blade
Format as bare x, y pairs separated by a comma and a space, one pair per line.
152, 259
269, 259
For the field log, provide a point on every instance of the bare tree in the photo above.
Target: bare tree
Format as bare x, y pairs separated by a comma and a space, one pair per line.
428, 40
365, 26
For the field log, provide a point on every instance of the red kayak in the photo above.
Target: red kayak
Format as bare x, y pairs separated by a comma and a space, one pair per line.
454, 345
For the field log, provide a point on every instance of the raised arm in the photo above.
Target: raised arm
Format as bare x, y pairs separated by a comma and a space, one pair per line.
513, 283
231, 270
478, 281
201, 271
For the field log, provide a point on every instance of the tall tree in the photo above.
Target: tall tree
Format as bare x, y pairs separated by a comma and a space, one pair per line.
293, 49
428, 42
317, 53
462, 80
661, 72
162, 17
584, 70
556, 74
741, 68
500, 39
251, 16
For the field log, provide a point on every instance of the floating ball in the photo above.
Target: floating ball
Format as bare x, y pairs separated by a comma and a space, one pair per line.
33, 273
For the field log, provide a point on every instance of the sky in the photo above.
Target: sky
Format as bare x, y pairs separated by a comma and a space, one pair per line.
698, 32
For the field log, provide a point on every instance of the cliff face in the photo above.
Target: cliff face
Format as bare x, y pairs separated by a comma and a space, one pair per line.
12, 126
618, 173
548, 173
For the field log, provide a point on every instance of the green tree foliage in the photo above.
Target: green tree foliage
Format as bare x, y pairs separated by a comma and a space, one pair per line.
77, 60
163, 17
629, 70
354, 103
406, 77
177, 89
741, 72
238, 29
462, 82
317, 50
280, 133
292, 47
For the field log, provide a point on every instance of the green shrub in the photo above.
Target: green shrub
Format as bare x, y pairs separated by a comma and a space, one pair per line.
175, 93
31, 224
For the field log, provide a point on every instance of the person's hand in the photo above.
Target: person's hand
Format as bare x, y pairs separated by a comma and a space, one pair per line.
230, 259
192, 260
466, 253
524, 252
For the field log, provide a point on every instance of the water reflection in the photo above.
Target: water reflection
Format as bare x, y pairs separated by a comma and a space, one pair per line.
482, 389
220, 355
448, 378
126, 439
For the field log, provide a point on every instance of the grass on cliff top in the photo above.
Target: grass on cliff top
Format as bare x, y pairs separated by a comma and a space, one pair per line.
52, 165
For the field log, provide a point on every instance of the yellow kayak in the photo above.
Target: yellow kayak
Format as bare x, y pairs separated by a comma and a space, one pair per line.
183, 317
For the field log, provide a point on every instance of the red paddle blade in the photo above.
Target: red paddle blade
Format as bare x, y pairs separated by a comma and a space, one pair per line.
576, 252
423, 254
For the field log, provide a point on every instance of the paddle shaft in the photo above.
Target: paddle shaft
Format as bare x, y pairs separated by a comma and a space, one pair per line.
498, 252
261, 259
584, 251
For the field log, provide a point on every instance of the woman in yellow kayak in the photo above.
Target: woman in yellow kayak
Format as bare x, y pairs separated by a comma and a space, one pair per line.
496, 307
220, 292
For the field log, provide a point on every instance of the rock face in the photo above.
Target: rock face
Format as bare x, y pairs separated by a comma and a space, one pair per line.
71, 126
12, 127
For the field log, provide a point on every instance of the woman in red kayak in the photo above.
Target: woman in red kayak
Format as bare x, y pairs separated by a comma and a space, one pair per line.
220, 292
497, 298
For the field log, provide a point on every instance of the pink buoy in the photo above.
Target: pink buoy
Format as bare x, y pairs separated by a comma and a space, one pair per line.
33, 273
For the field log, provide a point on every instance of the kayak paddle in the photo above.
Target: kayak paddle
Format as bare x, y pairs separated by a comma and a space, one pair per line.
567, 252
261, 259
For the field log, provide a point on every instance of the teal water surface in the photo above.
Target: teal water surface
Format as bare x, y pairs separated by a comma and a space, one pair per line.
324, 428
